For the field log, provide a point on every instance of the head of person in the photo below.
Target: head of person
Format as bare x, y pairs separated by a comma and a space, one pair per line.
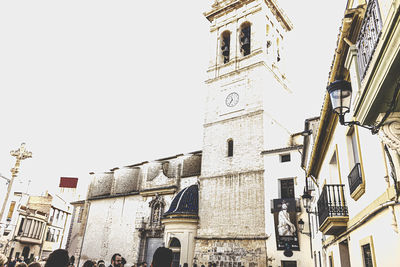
34, 264
116, 260
3, 260
89, 263
58, 258
21, 264
162, 257
101, 263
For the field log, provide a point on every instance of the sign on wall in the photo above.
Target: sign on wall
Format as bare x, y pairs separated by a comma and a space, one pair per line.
285, 219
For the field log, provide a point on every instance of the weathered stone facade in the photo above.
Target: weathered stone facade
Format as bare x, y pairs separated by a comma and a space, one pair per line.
232, 205
124, 208
230, 252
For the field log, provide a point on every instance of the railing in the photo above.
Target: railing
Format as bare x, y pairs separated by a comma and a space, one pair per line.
355, 177
369, 36
310, 184
331, 203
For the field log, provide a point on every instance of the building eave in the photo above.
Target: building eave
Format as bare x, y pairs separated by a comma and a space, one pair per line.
351, 24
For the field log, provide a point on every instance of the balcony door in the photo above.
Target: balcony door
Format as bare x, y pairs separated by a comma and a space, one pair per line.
344, 254
25, 252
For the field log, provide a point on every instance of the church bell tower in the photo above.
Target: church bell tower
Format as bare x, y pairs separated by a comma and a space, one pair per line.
246, 88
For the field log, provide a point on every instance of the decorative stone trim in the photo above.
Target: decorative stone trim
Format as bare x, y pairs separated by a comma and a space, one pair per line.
390, 131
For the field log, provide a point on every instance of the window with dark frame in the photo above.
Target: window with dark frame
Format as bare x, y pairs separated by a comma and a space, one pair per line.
225, 45
245, 34
287, 188
230, 148
21, 226
285, 157
367, 255
289, 263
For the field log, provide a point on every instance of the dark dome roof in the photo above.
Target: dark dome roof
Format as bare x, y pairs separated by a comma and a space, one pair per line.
186, 202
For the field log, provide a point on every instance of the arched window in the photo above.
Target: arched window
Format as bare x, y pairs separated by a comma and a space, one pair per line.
230, 148
157, 211
225, 45
245, 33
174, 243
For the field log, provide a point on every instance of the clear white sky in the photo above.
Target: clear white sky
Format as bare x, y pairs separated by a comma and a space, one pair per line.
92, 85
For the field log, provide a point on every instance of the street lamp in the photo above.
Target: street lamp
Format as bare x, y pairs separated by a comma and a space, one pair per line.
340, 94
306, 199
300, 223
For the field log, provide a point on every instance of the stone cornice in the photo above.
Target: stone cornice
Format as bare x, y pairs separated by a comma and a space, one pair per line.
254, 113
279, 150
251, 237
261, 171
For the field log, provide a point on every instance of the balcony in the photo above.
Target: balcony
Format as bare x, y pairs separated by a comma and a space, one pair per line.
369, 36
332, 210
356, 183
23, 238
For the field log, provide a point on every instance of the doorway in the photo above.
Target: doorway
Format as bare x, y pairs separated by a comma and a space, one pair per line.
175, 246
25, 252
344, 254
152, 244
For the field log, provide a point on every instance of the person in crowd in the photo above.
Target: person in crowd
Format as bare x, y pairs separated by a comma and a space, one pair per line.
3, 260
21, 264
185, 265
58, 258
101, 263
123, 262
116, 260
34, 264
162, 257
12, 262
89, 263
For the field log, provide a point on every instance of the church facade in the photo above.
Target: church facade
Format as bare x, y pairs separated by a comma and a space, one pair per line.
235, 202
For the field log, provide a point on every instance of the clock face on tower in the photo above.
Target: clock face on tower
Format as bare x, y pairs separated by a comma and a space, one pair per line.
232, 99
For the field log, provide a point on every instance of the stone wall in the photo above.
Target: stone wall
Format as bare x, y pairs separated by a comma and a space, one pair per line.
232, 205
145, 176
247, 134
126, 180
231, 253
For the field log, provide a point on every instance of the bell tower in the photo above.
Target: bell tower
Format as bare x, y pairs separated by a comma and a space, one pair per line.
246, 88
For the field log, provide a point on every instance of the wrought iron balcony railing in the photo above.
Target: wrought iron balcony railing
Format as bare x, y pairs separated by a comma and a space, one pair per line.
369, 35
310, 184
355, 178
331, 202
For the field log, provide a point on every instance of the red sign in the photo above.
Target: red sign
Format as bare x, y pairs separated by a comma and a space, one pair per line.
68, 182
